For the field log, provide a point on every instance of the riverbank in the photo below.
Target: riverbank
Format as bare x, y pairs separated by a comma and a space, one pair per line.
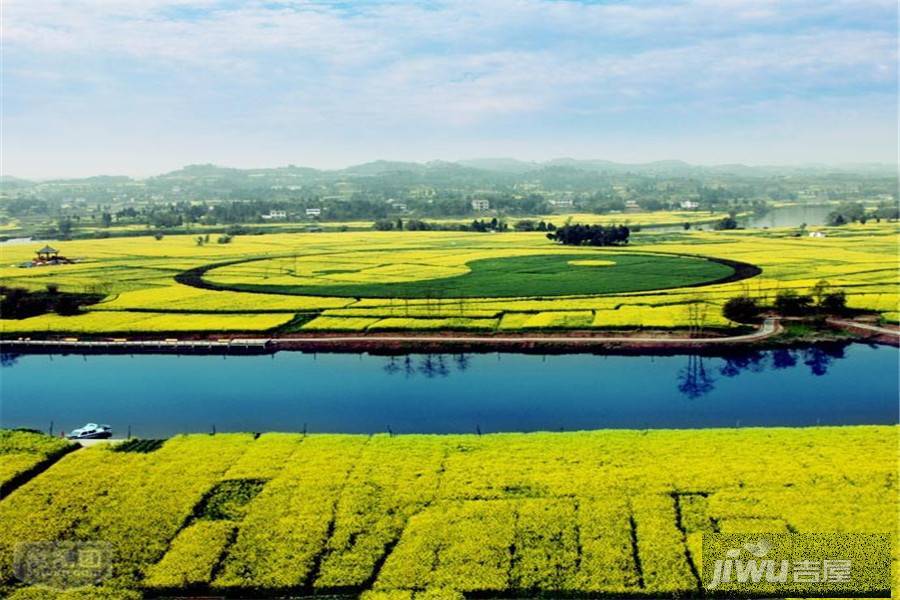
399, 342
771, 333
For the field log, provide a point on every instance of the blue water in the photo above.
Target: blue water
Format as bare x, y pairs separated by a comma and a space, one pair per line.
786, 216
161, 395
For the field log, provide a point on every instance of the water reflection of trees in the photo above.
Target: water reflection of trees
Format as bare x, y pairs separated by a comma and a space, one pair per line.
8, 359
819, 358
696, 379
735, 365
427, 365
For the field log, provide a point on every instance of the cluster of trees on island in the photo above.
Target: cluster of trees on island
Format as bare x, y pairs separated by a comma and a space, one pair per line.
591, 235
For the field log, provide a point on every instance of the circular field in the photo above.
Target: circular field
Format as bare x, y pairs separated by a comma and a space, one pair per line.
516, 276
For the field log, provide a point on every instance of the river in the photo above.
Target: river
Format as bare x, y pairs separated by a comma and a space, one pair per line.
790, 216
162, 395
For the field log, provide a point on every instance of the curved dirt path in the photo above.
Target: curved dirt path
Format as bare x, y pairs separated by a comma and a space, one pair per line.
865, 327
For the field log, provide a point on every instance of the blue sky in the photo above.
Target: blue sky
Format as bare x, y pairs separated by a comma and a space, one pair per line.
141, 86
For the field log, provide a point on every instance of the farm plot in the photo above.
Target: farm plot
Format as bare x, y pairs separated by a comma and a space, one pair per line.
558, 274
606, 512
357, 281
24, 451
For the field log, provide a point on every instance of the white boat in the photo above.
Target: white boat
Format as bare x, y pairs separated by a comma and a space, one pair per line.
91, 431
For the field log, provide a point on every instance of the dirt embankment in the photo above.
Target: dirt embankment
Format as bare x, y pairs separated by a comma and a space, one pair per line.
868, 330
594, 342
768, 335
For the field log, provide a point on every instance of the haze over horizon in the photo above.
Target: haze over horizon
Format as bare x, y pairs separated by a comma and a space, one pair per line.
141, 87
499, 165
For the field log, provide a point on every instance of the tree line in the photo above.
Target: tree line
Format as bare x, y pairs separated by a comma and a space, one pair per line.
590, 235
822, 300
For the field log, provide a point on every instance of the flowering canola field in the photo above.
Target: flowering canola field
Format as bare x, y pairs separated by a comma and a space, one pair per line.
137, 278
22, 451
590, 513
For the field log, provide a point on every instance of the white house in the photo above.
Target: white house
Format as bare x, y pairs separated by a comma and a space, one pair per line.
313, 212
276, 215
817, 234
480, 204
689, 205
397, 205
562, 203
632, 205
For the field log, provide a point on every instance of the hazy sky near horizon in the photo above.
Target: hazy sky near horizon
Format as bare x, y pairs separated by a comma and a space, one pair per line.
139, 87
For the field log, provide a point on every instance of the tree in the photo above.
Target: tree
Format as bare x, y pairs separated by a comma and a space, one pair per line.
526, 225
106, 219
789, 303
590, 235
847, 213
741, 309
819, 290
67, 305
65, 227
157, 236
697, 311
887, 211
417, 225
383, 225
728, 222
834, 302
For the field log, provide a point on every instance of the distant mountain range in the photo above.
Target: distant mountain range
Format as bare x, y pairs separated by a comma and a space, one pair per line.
480, 167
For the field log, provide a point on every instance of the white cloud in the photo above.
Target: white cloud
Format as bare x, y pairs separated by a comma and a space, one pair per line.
456, 70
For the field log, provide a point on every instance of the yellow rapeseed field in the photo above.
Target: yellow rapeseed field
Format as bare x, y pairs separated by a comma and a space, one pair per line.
22, 451
136, 276
611, 512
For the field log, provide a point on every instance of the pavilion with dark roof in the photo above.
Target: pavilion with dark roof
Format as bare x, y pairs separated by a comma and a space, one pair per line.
48, 256
46, 253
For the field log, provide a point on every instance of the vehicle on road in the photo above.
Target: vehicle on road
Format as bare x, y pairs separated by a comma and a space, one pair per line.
91, 431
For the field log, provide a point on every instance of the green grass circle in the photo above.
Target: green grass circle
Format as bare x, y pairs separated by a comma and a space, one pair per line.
517, 276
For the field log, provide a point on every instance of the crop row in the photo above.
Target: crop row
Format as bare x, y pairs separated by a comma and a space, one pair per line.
138, 322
